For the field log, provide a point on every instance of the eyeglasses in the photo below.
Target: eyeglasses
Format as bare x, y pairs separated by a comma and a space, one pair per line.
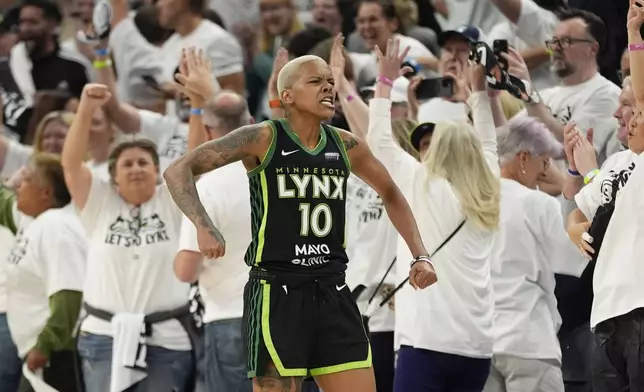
566, 42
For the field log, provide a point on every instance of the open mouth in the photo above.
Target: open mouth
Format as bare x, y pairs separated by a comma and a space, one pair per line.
328, 102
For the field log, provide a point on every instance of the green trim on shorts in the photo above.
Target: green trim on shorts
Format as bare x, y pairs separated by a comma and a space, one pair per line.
343, 367
268, 340
254, 327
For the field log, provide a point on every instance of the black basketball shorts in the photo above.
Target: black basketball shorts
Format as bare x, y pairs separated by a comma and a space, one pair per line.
312, 328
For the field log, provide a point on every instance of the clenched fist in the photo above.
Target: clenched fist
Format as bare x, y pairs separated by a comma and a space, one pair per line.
95, 95
211, 243
422, 275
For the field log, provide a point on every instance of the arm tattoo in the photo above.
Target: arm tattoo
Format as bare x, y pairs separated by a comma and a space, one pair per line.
349, 143
228, 149
273, 382
180, 176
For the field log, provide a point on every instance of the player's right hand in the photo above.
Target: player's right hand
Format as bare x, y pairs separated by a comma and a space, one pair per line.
211, 243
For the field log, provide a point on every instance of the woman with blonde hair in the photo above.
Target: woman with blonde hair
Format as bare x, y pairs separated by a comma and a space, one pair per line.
48, 137
527, 355
446, 331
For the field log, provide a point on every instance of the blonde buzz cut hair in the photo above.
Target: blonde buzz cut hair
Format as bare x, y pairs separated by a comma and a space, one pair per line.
289, 72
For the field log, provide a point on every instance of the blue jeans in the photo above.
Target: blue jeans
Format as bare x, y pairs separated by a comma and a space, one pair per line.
431, 371
168, 370
226, 365
10, 364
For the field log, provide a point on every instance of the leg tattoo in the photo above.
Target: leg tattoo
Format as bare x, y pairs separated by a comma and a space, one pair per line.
273, 382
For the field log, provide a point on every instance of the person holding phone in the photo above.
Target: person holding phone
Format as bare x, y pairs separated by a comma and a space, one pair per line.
437, 94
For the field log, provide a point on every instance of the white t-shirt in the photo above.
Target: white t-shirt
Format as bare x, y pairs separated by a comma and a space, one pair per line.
454, 316
225, 195
535, 247
7, 240
438, 110
17, 156
130, 261
372, 243
48, 257
591, 105
168, 133
541, 76
619, 272
218, 45
536, 24
607, 184
482, 14
133, 57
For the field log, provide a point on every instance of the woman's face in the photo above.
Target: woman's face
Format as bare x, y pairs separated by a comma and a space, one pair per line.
135, 169
53, 136
34, 194
531, 168
636, 132
276, 16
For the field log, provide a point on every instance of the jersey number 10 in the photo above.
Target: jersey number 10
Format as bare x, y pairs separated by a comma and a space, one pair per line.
311, 219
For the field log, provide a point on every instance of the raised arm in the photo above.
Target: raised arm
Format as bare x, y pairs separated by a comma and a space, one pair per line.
78, 176
248, 144
380, 136
635, 20
354, 109
373, 172
124, 115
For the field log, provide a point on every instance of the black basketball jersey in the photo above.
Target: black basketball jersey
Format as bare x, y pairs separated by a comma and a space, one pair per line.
297, 201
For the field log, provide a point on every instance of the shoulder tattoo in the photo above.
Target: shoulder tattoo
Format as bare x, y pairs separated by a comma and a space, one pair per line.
349, 142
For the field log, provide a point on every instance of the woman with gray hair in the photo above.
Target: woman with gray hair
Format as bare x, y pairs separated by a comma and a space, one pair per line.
527, 356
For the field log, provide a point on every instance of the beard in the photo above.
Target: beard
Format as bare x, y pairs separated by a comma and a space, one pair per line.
562, 68
35, 44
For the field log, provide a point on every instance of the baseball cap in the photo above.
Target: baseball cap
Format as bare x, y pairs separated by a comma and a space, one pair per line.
417, 134
469, 33
398, 91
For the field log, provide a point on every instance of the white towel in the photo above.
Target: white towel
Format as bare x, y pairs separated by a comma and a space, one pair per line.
128, 351
21, 66
35, 380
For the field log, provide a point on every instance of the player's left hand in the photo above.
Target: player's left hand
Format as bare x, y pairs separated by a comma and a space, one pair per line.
36, 360
422, 275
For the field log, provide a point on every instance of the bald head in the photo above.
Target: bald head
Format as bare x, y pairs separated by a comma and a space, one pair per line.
291, 71
226, 112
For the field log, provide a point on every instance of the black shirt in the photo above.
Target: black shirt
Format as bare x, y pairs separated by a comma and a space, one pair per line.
298, 204
60, 70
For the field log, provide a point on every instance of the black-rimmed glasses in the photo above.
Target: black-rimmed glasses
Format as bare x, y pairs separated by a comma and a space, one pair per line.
565, 42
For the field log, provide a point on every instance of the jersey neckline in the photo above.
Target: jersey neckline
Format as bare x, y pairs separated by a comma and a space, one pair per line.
321, 143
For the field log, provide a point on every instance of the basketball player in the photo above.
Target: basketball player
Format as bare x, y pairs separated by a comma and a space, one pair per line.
299, 316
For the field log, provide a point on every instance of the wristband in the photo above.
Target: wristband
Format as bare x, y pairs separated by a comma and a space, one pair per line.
275, 104
574, 173
102, 52
100, 64
385, 80
350, 98
196, 112
635, 47
589, 177
420, 258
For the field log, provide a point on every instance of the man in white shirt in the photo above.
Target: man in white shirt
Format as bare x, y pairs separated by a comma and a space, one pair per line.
185, 18
221, 282
455, 53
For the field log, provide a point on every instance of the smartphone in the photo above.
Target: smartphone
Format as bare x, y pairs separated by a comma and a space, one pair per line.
501, 46
435, 88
